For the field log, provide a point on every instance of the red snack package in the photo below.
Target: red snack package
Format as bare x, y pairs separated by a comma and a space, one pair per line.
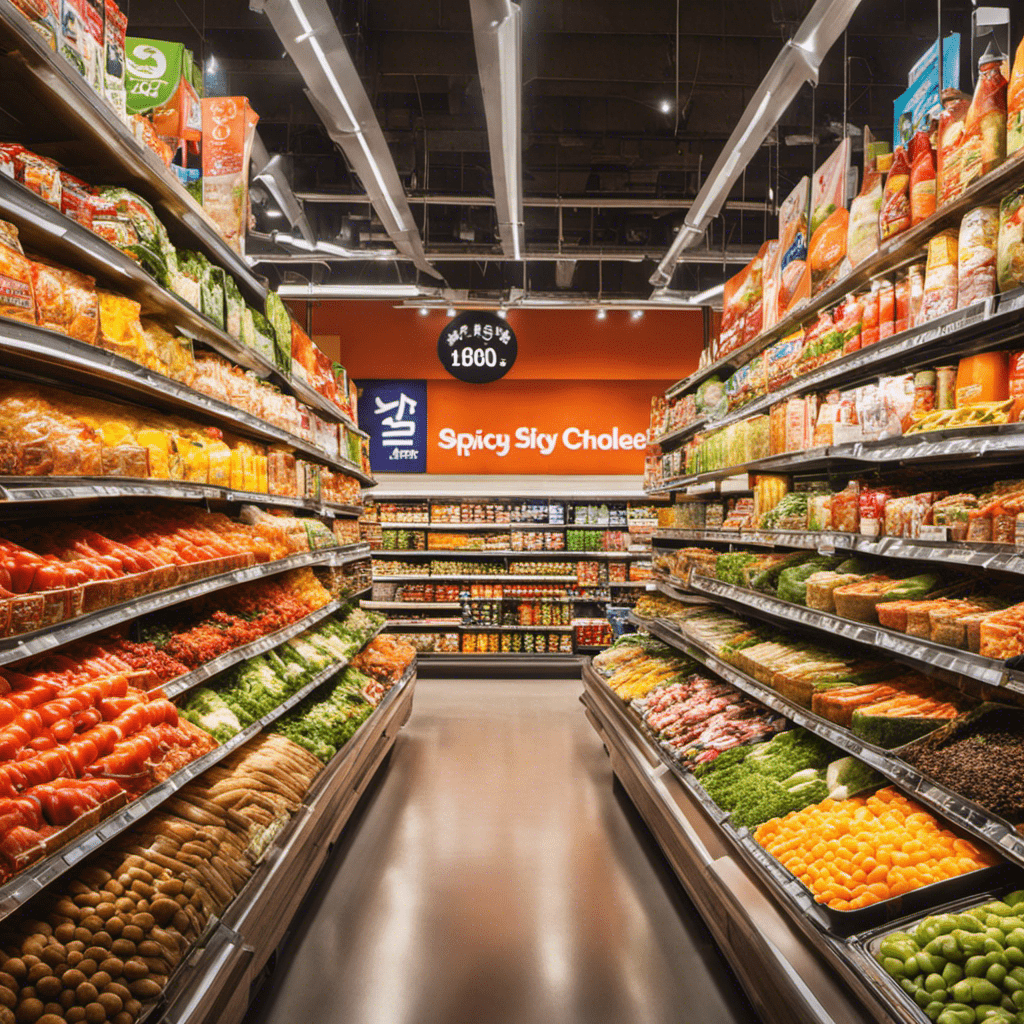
902, 303
36, 173
75, 199
17, 297
922, 178
886, 309
895, 213
869, 328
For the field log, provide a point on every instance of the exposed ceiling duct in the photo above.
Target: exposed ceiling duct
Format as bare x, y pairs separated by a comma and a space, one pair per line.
796, 65
270, 170
497, 35
310, 35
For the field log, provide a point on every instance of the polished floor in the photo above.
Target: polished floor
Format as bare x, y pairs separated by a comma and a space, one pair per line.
495, 876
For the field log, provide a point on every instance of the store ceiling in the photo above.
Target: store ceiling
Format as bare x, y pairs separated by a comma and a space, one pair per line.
601, 125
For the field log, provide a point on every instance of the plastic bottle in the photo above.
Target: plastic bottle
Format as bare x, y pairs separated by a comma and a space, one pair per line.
922, 178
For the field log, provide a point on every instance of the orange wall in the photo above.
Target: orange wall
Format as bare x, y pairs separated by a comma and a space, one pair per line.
378, 340
572, 370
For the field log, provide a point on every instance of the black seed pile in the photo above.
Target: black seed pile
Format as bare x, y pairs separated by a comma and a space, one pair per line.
984, 764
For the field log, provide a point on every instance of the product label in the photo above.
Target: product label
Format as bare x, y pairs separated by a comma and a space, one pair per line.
14, 293
939, 533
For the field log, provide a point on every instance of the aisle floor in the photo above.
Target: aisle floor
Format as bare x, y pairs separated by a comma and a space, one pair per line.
495, 876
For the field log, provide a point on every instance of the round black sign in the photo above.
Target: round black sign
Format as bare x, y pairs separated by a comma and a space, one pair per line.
477, 347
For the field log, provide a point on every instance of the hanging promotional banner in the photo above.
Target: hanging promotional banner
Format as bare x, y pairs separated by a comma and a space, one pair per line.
914, 109
540, 427
477, 347
394, 414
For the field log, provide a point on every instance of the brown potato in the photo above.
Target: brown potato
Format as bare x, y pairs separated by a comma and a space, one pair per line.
88, 967
8, 998
106, 911
83, 935
75, 957
132, 932
30, 960
38, 972
119, 990
75, 946
65, 932
67, 998
122, 948
7, 981
145, 988
134, 969
113, 966
95, 1013
113, 929
114, 887
73, 977
86, 993
88, 899
122, 1018
75, 1015
28, 1011
50, 1017
101, 980
6, 1015
113, 1004
49, 988
145, 921
133, 1006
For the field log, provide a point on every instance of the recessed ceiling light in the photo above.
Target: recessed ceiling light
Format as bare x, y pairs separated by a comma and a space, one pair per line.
424, 311
637, 313
602, 313
502, 314
451, 312
665, 106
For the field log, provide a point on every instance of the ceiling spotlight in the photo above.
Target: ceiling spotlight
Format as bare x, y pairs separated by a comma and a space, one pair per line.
451, 312
665, 106
424, 311
502, 314
274, 214
602, 313
637, 313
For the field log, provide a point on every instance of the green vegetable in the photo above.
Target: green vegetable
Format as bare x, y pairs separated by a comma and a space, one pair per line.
912, 589
792, 582
280, 319
729, 567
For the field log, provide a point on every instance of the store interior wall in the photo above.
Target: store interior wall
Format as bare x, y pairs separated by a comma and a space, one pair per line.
574, 370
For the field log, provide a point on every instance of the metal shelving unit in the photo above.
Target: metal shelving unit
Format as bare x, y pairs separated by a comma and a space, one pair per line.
25, 645
501, 527
476, 579
37, 876
56, 360
20, 495
923, 655
566, 556
216, 981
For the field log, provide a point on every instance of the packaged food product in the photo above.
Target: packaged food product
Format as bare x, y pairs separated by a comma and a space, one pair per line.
826, 253
845, 505
82, 38
915, 276
945, 387
791, 282
886, 309
983, 147
17, 296
45, 18
924, 393
115, 30
955, 105
862, 240
978, 244
940, 279
894, 215
902, 296
65, 301
120, 326
869, 329
229, 127
897, 394
76, 200
982, 378
9, 236
1010, 250
822, 342
922, 178
849, 322
754, 317
1015, 103
781, 360
1016, 378
37, 173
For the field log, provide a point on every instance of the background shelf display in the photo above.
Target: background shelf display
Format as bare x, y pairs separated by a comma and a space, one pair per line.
36, 877
23, 646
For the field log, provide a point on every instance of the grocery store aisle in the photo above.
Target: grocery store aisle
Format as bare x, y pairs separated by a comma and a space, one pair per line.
495, 877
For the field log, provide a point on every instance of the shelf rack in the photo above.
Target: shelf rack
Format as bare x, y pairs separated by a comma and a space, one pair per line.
54, 359
502, 527
37, 876
931, 658
25, 645
790, 968
997, 557
565, 556
20, 495
891, 255
217, 980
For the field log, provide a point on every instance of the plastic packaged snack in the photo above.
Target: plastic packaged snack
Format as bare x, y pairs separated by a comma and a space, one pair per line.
9, 236
922, 178
17, 295
82, 38
65, 301
983, 147
115, 30
977, 249
791, 283
886, 309
915, 275
44, 16
1010, 250
862, 241
849, 322
1015, 104
37, 173
895, 216
955, 105
869, 329
826, 253
902, 298
940, 279
120, 326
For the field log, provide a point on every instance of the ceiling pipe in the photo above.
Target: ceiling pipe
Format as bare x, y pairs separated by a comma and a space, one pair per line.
796, 65
310, 35
271, 172
497, 35
545, 202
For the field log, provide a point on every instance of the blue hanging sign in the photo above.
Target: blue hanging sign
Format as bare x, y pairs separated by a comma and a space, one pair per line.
394, 414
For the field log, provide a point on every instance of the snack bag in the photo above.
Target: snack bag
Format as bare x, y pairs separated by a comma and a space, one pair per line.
895, 213
1010, 249
922, 178
115, 31
17, 297
977, 250
940, 279
1015, 104
862, 240
45, 18
984, 142
229, 128
826, 254
955, 105
792, 281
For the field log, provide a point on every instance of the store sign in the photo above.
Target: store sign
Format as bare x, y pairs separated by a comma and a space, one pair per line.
394, 414
915, 108
477, 347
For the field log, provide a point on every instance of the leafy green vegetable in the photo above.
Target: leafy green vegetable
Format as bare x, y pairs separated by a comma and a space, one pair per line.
729, 567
